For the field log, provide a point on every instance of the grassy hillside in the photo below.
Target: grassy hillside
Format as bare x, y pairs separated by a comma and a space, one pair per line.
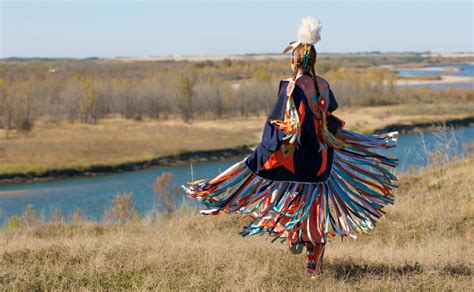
424, 242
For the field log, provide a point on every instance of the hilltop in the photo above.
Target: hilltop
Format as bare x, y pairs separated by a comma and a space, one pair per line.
424, 242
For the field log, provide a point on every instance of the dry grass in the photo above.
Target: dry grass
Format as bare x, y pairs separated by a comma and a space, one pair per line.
115, 140
424, 242
368, 119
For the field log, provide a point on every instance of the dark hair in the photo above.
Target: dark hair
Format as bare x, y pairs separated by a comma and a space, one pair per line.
298, 54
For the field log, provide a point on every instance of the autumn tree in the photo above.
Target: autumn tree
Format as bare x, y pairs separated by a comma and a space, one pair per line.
165, 193
89, 106
226, 62
71, 95
122, 209
21, 104
185, 84
6, 108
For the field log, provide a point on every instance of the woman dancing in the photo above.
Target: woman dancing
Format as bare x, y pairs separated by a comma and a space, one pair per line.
309, 179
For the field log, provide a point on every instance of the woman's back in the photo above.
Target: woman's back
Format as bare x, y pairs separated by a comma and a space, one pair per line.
304, 160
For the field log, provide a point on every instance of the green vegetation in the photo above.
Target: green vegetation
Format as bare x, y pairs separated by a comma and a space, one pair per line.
412, 247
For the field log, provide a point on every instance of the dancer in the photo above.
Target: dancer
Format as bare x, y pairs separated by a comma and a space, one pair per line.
309, 179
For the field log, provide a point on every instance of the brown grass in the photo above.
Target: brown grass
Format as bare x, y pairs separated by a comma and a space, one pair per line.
116, 140
424, 243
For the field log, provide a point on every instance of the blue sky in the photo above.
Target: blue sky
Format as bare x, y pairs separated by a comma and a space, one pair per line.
143, 28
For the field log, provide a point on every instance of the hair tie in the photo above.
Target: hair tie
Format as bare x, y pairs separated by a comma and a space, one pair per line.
307, 55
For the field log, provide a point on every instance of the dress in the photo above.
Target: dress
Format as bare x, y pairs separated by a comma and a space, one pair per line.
298, 184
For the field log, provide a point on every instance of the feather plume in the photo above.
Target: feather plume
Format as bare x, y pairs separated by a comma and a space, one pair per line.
309, 31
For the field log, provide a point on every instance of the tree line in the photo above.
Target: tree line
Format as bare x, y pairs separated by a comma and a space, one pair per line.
86, 91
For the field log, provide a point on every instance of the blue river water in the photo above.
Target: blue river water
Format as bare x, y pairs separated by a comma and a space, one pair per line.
465, 70
93, 195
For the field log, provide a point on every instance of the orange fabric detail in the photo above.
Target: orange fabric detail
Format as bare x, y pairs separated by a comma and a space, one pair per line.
301, 112
277, 159
323, 163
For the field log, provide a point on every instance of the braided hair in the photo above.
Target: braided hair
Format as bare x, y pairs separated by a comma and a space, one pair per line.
298, 56
297, 59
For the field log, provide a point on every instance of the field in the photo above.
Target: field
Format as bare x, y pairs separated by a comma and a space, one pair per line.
423, 243
72, 114
58, 114
116, 140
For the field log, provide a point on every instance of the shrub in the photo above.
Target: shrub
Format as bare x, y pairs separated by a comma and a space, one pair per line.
57, 216
76, 216
14, 222
226, 62
30, 218
25, 125
204, 64
262, 75
122, 209
166, 194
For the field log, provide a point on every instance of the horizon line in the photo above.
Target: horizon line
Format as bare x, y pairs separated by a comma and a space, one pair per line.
236, 56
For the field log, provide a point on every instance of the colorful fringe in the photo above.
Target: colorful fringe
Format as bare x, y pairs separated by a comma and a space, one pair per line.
291, 125
348, 203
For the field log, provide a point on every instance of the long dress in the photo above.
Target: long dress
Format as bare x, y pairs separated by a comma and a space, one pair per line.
297, 184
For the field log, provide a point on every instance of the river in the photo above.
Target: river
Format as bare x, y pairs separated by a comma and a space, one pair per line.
93, 195
465, 70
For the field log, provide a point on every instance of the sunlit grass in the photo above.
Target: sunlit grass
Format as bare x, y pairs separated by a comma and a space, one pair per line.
114, 141
424, 243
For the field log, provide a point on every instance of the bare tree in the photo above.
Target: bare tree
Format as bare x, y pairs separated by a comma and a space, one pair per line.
122, 209
166, 194
76, 216
184, 85
23, 104
71, 95
89, 105
6, 108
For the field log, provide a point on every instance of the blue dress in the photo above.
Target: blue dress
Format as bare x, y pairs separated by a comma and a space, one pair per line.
309, 179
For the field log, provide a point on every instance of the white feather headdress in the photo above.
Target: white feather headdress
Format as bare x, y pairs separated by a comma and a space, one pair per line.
308, 33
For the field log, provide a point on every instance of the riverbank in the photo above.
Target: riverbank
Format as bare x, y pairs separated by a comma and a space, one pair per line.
190, 251
418, 75
434, 80
426, 127
198, 156
96, 170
